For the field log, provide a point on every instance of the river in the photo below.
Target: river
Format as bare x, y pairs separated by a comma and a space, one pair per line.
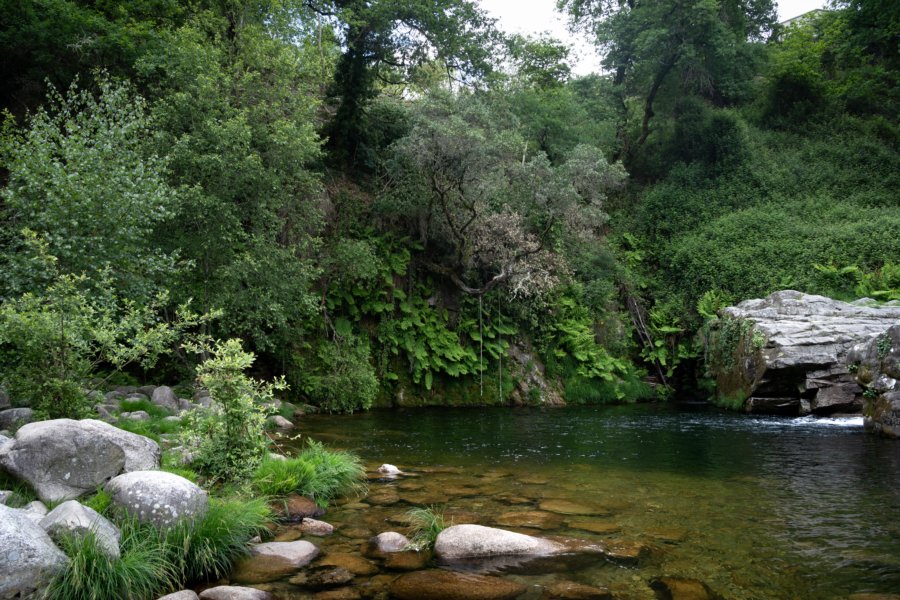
754, 507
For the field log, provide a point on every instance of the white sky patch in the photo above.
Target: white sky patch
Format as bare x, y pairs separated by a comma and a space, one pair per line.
533, 17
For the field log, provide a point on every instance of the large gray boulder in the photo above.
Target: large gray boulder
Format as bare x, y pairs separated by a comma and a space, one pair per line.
157, 497
787, 353
72, 518
273, 560
233, 592
165, 397
877, 367
28, 558
15, 417
63, 459
476, 541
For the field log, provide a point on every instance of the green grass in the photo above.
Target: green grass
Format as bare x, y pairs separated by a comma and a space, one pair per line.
131, 405
426, 524
316, 472
22, 493
208, 549
143, 572
99, 501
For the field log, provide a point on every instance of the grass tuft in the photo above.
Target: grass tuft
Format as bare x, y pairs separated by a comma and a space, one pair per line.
316, 472
426, 524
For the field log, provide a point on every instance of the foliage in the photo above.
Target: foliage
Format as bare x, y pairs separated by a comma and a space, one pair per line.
230, 439
142, 572
425, 525
315, 472
83, 179
342, 379
208, 549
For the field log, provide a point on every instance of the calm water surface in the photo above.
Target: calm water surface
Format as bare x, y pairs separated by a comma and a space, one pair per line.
755, 507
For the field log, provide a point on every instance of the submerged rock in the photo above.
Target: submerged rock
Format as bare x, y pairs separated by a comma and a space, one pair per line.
322, 577
677, 588
569, 590
438, 584
533, 519
351, 562
787, 353
387, 542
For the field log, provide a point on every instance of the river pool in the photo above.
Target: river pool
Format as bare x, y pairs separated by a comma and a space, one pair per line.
754, 507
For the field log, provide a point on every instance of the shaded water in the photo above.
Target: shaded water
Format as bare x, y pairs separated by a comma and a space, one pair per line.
755, 507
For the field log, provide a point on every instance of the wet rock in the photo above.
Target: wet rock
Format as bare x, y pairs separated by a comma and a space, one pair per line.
408, 560
383, 497
297, 508
15, 417
387, 542
317, 528
231, 592
598, 527
165, 397
670, 535
437, 584
794, 352
476, 541
322, 577
677, 588
157, 497
28, 557
388, 469
72, 518
568, 507
569, 590
625, 551
530, 519
291, 534
273, 560
341, 594
182, 595
875, 596
63, 459
351, 562
877, 363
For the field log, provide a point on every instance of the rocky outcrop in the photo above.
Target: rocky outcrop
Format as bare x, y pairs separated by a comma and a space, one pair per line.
876, 364
787, 353
72, 518
63, 459
28, 558
476, 541
157, 497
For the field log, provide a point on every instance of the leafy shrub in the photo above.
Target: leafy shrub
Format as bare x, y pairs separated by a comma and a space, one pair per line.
343, 378
230, 438
316, 472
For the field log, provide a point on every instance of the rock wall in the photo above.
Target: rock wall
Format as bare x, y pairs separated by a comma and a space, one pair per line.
788, 353
876, 364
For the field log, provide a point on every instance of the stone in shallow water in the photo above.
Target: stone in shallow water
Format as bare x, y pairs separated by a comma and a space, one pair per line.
298, 507
598, 527
567, 507
353, 563
316, 528
437, 584
340, 594
678, 588
273, 560
569, 590
476, 541
383, 497
387, 542
534, 519
409, 560
323, 577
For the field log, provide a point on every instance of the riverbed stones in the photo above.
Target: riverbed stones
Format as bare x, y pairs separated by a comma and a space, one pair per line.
598, 527
407, 560
438, 584
792, 357
316, 528
157, 497
322, 577
273, 560
63, 459
387, 542
73, 518
28, 557
389, 470
533, 519
476, 541
679, 588
298, 507
233, 592
569, 507
570, 590
351, 562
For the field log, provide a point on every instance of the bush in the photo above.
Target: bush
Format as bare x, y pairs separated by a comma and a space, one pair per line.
143, 572
316, 472
230, 439
344, 379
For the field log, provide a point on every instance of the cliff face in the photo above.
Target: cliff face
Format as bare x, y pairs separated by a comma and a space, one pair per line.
788, 353
876, 364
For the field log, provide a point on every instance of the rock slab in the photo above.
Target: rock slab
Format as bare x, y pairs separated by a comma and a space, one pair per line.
72, 518
28, 558
792, 359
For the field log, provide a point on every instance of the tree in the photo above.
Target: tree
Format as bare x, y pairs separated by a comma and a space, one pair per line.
83, 178
701, 47
386, 41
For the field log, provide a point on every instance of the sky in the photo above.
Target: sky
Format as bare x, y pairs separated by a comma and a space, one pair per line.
538, 16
